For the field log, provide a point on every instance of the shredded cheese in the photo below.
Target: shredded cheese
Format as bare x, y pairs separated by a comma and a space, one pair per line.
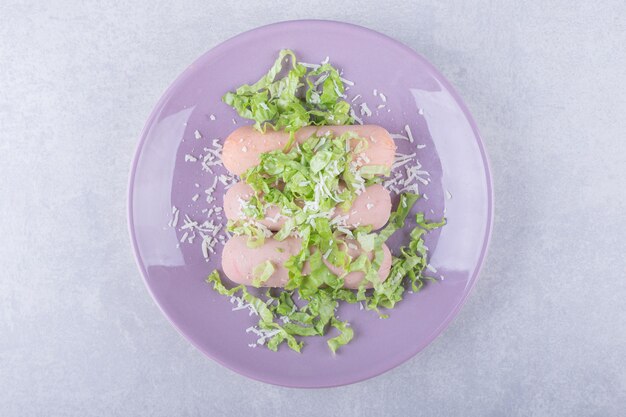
343, 80
175, 213
398, 136
408, 133
365, 110
355, 117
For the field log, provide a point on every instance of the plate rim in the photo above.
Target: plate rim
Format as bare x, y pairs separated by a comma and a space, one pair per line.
413, 351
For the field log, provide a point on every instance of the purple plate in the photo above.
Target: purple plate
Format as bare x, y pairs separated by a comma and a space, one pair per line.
447, 144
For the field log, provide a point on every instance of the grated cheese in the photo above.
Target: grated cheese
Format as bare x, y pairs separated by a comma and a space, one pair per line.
262, 334
339, 94
345, 231
343, 80
174, 221
355, 117
365, 110
209, 191
213, 156
406, 177
275, 218
398, 136
408, 133
338, 220
242, 305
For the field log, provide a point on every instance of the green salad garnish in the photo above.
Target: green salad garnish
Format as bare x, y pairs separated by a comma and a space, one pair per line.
309, 183
301, 97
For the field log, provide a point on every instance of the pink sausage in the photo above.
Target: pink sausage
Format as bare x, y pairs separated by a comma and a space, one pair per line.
239, 261
371, 207
243, 146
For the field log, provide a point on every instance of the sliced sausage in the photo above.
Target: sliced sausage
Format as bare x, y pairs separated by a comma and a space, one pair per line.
243, 147
239, 261
371, 207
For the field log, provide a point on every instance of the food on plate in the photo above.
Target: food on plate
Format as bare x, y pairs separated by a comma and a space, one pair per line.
370, 208
265, 265
243, 147
311, 213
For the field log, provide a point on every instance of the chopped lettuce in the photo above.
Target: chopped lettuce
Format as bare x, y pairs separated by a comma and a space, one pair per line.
299, 98
262, 273
370, 171
345, 336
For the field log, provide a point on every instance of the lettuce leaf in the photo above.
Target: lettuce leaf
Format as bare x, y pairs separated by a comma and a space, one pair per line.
262, 273
345, 336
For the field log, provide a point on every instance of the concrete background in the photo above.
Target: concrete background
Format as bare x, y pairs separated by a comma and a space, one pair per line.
544, 332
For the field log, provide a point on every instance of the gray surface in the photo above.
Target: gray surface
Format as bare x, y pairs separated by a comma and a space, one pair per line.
544, 332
